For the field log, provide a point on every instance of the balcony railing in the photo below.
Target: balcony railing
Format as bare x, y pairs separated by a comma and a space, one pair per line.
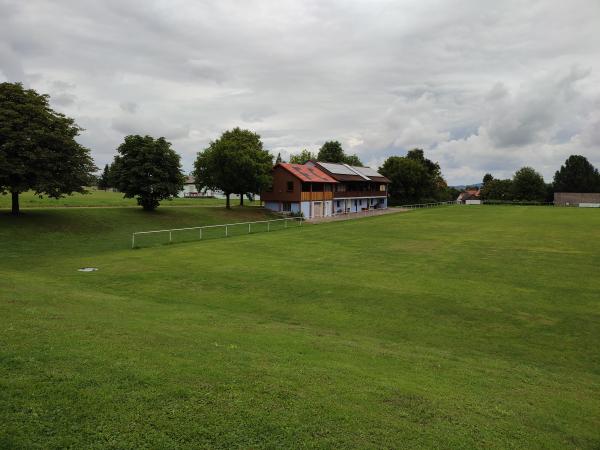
316, 196
347, 194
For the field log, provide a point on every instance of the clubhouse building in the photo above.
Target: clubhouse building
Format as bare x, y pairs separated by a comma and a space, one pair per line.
318, 189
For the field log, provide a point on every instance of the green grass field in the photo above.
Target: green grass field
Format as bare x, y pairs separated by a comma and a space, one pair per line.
97, 198
455, 327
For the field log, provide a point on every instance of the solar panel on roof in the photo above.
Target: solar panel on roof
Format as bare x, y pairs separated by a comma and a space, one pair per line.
339, 169
367, 171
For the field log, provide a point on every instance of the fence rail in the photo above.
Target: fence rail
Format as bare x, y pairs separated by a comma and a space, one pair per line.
429, 205
270, 226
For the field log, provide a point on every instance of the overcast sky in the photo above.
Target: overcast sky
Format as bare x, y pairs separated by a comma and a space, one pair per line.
482, 86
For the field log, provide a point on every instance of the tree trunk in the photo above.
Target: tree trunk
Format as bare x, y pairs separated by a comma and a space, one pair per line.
15, 203
241, 199
227, 205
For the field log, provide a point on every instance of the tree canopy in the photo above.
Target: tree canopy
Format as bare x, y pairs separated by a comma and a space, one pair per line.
577, 175
332, 151
303, 157
528, 185
38, 150
415, 179
104, 180
147, 169
234, 163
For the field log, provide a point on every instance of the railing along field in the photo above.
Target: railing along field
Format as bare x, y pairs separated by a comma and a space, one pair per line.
214, 231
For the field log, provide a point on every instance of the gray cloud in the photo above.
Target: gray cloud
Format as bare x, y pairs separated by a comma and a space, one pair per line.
481, 85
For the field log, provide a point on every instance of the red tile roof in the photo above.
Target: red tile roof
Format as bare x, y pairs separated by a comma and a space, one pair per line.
307, 173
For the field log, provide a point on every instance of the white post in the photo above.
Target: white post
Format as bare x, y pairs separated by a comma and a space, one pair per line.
226, 231
170, 236
132, 240
268, 225
248, 227
200, 233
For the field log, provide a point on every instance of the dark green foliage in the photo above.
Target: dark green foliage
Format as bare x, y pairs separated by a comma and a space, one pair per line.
303, 157
331, 151
415, 179
487, 178
234, 163
104, 181
577, 175
38, 150
147, 169
353, 160
497, 189
529, 185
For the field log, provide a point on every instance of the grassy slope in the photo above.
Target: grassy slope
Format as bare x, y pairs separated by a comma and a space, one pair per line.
104, 198
453, 327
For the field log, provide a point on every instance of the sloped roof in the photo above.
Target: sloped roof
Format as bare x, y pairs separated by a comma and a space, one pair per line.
307, 174
344, 172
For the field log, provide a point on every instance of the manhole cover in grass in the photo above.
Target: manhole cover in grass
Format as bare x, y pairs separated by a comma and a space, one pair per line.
88, 269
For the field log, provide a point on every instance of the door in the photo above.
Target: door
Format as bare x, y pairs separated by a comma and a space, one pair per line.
318, 209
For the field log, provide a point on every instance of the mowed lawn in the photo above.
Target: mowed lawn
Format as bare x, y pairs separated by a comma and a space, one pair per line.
98, 198
455, 327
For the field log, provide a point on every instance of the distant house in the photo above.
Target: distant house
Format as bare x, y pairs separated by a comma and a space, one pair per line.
324, 189
470, 195
191, 191
583, 199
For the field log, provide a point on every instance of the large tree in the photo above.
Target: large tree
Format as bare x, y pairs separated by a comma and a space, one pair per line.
331, 151
234, 163
104, 181
528, 185
303, 157
415, 179
496, 189
147, 169
38, 150
577, 175
409, 179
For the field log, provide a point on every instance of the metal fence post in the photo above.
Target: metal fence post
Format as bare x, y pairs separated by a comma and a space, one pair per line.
248, 227
226, 231
170, 236
200, 233
284, 223
133, 240
268, 225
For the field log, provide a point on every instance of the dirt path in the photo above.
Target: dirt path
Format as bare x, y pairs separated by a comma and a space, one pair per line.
358, 215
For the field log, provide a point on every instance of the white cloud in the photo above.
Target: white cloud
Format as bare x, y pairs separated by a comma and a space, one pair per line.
480, 85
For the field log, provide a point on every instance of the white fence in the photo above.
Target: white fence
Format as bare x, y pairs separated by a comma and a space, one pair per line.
214, 231
428, 205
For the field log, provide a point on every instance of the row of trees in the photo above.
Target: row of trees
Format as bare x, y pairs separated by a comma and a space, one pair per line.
415, 179
577, 174
38, 152
331, 151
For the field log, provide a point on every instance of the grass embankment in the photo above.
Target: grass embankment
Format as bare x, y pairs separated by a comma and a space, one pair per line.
98, 198
452, 327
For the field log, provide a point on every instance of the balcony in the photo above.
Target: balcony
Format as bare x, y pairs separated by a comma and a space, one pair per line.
316, 196
348, 194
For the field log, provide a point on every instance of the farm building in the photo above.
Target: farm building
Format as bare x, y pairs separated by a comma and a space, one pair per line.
469, 196
324, 189
591, 199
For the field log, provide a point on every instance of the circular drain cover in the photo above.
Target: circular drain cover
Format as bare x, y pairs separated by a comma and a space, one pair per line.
87, 269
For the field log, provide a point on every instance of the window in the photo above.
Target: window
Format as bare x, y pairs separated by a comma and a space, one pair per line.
382, 187
286, 207
290, 186
340, 187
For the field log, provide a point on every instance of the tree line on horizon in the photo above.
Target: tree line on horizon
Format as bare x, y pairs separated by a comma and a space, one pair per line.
39, 152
